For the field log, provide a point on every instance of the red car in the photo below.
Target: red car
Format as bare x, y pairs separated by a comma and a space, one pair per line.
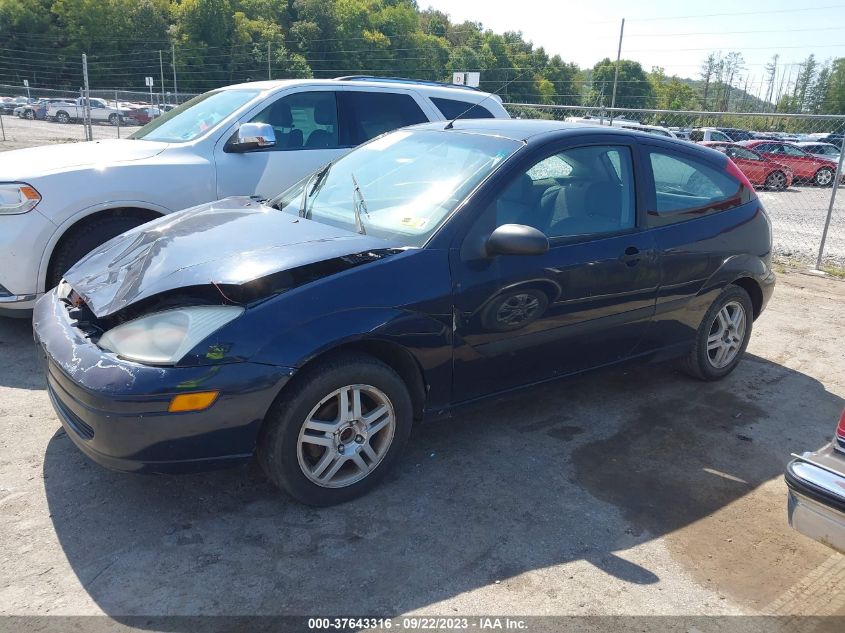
144, 115
761, 171
804, 165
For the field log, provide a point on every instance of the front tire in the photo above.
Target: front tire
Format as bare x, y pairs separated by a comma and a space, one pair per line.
824, 177
114, 119
29, 114
333, 435
86, 237
722, 336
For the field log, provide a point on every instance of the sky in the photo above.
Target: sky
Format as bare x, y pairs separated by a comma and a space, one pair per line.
674, 35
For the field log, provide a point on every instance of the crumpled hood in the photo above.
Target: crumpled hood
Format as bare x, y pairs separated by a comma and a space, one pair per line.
27, 164
232, 241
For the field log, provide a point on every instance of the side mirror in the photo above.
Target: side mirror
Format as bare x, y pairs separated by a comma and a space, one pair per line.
252, 136
516, 239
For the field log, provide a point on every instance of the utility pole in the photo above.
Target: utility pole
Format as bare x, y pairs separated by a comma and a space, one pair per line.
86, 100
616, 73
173, 61
269, 72
161, 69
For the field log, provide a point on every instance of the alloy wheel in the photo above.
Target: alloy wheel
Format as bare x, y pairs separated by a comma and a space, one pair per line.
727, 334
346, 436
517, 309
776, 180
824, 177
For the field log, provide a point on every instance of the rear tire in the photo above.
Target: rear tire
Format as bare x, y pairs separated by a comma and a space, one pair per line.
29, 114
823, 177
776, 181
84, 238
62, 117
722, 336
347, 454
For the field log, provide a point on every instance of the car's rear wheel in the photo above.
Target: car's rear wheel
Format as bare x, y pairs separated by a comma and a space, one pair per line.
722, 336
335, 432
29, 114
62, 117
776, 181
85, 237
824, 177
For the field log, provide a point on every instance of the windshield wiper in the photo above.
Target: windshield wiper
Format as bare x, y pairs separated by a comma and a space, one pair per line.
318, 179
358, 203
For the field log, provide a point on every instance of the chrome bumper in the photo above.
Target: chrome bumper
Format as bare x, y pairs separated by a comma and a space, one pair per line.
816, 504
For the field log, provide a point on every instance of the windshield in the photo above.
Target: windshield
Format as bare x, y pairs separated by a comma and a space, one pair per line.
400, 187
195, 117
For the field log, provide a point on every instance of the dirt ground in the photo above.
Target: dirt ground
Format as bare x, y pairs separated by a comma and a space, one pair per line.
630, 491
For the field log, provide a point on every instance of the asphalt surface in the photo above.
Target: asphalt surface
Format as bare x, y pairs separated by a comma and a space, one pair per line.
631, 491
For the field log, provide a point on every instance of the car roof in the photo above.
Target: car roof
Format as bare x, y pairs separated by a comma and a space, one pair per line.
428, 88
524, 130
814, 143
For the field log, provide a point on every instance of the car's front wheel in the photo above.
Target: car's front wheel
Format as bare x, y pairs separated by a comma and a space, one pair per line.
335, 432
114, 119
722, 337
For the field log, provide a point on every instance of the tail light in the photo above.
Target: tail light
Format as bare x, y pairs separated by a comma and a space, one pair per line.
840, 430
736, 172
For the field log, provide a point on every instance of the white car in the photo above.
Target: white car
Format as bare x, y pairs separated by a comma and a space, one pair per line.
700, 134
820, 149
59, 202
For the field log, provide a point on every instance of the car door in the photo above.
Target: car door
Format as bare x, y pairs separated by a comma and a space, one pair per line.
584, 303
312, 127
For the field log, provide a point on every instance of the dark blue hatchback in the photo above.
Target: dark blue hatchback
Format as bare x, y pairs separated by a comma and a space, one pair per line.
425, 269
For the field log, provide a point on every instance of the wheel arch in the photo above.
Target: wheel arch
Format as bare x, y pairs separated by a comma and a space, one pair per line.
392, 354
80, 220
755, 292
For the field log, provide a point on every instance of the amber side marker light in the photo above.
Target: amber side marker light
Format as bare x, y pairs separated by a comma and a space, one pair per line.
196, 401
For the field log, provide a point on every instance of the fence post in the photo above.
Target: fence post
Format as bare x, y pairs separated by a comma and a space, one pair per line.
835, 188
86, 103
117, 107
2, 127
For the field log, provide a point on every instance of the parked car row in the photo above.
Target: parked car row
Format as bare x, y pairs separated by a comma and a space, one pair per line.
69, 110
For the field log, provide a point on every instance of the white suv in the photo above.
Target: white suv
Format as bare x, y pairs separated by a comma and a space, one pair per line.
59, 202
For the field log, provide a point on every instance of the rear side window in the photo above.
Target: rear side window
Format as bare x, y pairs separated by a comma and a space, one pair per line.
456, 109
686, 188
696, 135
365, 115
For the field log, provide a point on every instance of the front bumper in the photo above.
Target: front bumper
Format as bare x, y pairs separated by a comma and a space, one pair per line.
115, 411
816, 504
23, 238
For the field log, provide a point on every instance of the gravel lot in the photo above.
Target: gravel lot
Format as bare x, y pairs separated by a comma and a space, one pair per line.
632, 491
798, 214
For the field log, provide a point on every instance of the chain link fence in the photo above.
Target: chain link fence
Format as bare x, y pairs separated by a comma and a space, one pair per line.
74, 130
808, 215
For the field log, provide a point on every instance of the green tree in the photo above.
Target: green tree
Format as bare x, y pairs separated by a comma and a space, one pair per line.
633, 89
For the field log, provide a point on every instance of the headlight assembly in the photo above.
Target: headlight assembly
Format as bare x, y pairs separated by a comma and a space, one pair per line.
17, 197
165, 337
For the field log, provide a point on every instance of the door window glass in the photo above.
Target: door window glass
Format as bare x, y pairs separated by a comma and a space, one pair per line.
368, 114
789, 150
303, 120
685, 185
580, 191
